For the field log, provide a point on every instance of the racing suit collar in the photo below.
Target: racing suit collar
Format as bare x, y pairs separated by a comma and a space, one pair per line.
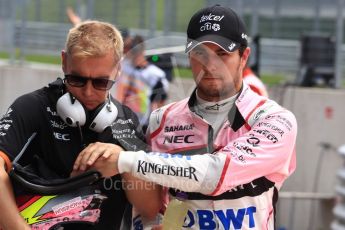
235, 118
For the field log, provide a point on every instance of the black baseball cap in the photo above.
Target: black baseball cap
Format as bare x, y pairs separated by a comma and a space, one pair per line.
219, 25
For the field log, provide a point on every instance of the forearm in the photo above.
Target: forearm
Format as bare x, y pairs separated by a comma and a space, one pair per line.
10, 218
143, 195
199, 173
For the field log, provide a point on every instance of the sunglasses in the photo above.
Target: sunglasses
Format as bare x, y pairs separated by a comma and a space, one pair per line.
97, 83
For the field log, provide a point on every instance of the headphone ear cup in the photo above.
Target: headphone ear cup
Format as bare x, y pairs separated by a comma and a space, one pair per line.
105, 115
71, 110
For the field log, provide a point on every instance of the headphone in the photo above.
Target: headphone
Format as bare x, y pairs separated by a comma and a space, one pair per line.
73, 113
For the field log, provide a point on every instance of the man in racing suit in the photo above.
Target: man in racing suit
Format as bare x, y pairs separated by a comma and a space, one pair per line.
225, 149
74, 113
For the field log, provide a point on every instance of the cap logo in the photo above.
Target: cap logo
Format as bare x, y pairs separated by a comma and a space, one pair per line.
211, 17
231, 46
210, 26
216, 27
244, 36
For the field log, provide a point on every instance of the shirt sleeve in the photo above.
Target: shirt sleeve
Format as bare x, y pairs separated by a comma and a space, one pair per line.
19, 122
268, 150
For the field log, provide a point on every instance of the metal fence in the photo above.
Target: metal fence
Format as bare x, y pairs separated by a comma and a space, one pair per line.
270, 18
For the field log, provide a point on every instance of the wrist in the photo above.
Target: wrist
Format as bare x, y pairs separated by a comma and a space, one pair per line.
117, 167
126, 161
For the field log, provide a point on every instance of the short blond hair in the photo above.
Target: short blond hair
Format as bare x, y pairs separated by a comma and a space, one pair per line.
94, 39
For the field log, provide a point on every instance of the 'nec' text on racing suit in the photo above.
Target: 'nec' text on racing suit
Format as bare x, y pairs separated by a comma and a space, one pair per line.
235, 184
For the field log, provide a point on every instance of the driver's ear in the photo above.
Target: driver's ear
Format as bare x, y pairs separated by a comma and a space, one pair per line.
245, 56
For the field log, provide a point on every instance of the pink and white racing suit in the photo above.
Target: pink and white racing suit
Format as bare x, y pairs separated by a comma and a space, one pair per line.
231, 181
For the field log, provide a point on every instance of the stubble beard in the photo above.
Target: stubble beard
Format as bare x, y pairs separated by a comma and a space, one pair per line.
217, 90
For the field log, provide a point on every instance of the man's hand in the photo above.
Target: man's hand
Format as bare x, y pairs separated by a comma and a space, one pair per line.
10, 219
102, 157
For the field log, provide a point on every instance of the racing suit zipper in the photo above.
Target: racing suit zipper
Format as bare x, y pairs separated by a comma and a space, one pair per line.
210, 147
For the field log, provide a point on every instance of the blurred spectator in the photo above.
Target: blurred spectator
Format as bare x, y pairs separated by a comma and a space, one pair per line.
254, 82
127, 40
142, 86
72, 16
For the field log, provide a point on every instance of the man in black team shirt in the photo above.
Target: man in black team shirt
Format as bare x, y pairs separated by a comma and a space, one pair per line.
73, 113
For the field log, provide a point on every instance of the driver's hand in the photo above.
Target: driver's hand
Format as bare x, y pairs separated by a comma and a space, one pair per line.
102, 157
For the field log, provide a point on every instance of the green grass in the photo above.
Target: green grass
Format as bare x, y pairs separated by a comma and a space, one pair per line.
183, 72
4, 55
44, 59
273, 79
47, 59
